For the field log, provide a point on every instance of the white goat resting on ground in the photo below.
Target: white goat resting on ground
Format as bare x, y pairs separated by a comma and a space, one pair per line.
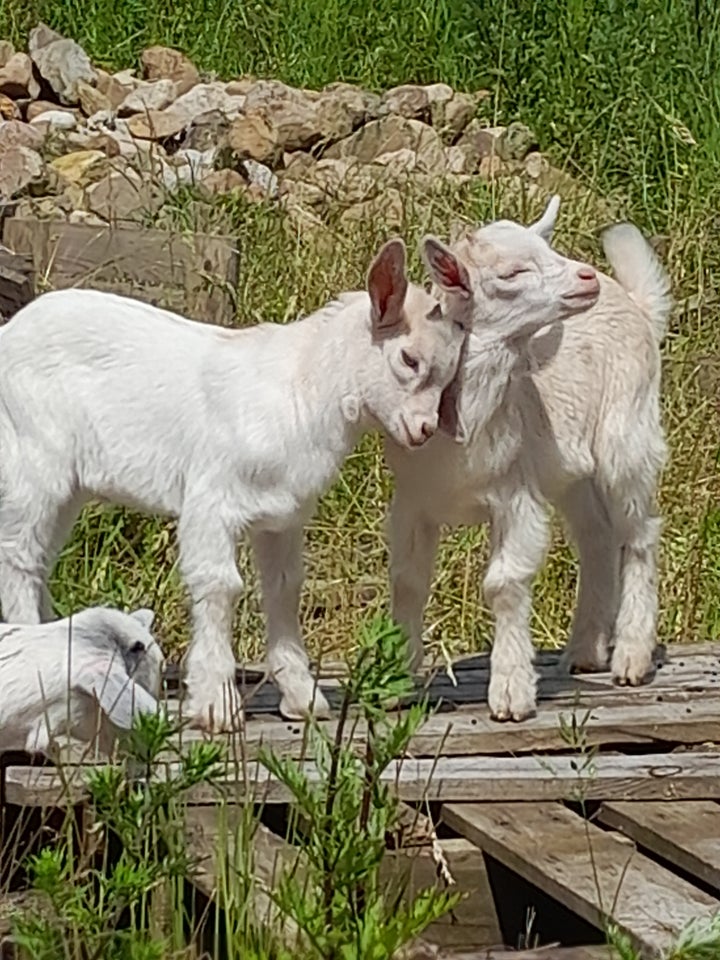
230, 431
571, 417
54, 676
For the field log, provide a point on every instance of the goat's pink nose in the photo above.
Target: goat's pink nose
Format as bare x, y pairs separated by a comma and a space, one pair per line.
586, 273
428, 429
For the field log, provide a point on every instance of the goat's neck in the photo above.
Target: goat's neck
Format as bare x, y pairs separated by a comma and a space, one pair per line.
340, 359
487, 372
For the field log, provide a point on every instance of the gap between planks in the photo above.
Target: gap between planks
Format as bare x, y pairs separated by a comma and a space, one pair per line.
562, 777
596, 874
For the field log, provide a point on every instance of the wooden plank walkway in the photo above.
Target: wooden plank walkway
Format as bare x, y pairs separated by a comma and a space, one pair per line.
598, 875
643, 764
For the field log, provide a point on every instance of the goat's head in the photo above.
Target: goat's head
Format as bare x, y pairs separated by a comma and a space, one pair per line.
420, 348
517, 283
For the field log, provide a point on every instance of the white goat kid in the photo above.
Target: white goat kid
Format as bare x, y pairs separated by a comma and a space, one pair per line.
54, 676
570, 416
230, 431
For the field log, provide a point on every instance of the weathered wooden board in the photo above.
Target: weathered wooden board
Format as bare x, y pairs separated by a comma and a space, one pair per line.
676, 662
194, 274
678, 681
685, 834
474, 923
17, 283
654, 776
541, 953
211, 834
596, 874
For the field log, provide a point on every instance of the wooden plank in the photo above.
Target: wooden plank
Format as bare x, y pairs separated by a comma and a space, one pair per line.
673, 655
685, 834
474, 923
541, 953
17, 283
594, 873
195, 274
212, 841
472, 731
551, 952
610, 777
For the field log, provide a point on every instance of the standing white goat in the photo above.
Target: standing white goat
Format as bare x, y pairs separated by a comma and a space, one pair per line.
570, 417
54, 676
230, 431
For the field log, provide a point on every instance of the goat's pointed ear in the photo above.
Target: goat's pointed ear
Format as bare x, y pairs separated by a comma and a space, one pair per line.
449, 419
446, 269
145, 617
387, 285
546, 224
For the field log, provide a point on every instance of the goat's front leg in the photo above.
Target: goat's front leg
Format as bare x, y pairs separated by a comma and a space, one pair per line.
207, 562
280, 565
519, 541
413, 546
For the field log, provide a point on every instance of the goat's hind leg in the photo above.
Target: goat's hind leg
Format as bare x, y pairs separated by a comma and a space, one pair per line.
635, 632
413, 546
33, 527
280, 564
598, 546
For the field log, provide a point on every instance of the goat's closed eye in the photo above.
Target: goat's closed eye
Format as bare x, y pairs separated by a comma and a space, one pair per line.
515, 272
409, 361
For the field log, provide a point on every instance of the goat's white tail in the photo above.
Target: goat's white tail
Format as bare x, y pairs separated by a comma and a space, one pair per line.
640, 273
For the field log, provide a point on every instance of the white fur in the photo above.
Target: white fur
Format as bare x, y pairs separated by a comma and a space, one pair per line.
84, 678
230, 431
568, 416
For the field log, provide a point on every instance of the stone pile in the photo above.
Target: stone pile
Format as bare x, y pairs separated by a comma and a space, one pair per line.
81, 144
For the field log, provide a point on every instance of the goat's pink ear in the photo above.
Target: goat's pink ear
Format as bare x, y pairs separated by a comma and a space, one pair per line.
387, 285
446, 269
546, 224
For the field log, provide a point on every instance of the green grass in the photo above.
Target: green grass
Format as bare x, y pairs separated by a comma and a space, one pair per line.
624, 96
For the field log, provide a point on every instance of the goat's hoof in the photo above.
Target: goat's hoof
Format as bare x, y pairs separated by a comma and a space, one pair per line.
222, 714
585, 658
631, 668
584, 663
297, 705
512, 697
516, 717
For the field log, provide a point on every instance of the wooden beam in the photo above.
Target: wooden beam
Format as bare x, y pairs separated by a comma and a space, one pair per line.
194, 274
597, 875
552, 952
212, 841
470, 731
474, 923
685, 834
17, 283
449, 779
